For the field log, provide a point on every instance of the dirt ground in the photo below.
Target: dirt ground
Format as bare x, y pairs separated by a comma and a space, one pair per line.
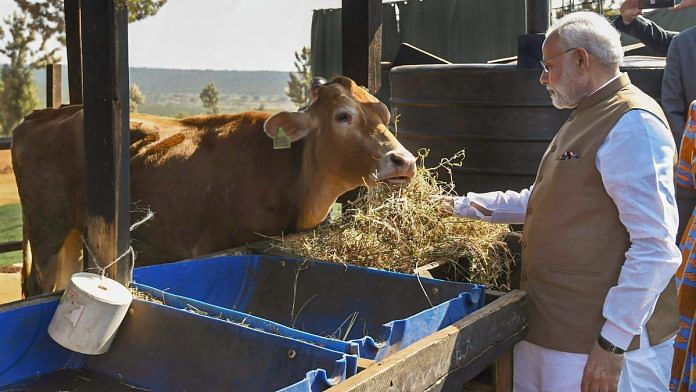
9, 281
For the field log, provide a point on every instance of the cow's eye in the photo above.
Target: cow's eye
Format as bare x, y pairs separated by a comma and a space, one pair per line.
343, 117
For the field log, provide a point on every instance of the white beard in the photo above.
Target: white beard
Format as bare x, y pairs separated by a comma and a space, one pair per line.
568, 96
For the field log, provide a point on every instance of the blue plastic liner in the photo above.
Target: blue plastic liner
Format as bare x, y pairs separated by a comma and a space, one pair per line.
380, 311
166, 349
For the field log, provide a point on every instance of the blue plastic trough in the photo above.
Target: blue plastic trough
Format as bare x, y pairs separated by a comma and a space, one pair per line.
332, 305
161, 348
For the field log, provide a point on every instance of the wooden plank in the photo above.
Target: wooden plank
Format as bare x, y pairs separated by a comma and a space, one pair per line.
54, 84
410, 55
73, 43
454, 380
10, 246
107, 182
364, 363
502, 372
362, 42
425, 269
457, 352
5, 143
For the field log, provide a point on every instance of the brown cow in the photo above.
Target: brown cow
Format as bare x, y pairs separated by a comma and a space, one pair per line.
213, 181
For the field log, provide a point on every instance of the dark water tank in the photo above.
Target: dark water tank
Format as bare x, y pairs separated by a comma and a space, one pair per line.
500, 115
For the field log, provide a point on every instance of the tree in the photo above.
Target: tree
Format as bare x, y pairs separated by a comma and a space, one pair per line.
209, 97
31, 31
298, 84
136, 98
18, 95
47, 15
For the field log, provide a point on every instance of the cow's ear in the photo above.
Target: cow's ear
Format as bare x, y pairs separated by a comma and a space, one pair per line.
295, 124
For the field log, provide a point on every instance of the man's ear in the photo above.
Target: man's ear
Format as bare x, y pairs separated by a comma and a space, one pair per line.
583, 59
295, 124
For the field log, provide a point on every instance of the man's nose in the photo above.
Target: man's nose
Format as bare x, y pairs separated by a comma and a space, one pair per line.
544, 78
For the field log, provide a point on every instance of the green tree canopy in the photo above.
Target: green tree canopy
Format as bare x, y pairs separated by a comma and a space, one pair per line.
210, 97
47, 18
26, 37
18, 96
136, 98
298, 84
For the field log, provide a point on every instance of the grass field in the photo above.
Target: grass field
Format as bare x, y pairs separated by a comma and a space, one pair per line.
10, 210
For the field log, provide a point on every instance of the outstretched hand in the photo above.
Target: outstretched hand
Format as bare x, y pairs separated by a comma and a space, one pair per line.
630, 9
444, 204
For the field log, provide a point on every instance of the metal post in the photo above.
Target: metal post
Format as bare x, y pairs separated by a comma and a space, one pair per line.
73, 41
362, 42
529, 45
107, 180
537, 16
54, 85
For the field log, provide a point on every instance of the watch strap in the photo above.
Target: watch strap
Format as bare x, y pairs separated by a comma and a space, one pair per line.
608, 346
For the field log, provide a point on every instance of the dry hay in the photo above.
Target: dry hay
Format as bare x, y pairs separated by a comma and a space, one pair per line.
145, 296
402, 228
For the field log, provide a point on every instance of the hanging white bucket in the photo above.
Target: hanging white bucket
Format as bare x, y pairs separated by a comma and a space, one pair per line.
89, 313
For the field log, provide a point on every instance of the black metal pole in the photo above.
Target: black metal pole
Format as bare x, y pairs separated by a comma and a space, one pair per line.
73, 43
529, 45
362, 41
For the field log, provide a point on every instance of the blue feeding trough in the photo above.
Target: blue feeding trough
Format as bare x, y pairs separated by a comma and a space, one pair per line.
161, 348
380, 312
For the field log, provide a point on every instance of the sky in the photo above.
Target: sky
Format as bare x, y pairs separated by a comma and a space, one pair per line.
219, 34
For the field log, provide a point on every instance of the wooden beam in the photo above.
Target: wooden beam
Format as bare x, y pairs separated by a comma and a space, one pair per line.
502, 372
364, 363
362, 42
107, 136
54, 85
5, 143
452, 356
73, 43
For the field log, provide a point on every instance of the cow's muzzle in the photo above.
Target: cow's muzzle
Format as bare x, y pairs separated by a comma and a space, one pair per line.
397, 167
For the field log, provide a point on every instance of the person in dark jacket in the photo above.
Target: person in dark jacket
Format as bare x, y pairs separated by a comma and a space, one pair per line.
678, 83
678, 89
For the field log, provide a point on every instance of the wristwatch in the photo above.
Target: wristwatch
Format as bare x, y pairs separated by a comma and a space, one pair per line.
608, 346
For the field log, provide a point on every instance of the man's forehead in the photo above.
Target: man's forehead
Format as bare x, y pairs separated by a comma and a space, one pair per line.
552, 43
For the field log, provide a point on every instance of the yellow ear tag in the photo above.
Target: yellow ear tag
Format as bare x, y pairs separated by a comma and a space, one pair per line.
281, 141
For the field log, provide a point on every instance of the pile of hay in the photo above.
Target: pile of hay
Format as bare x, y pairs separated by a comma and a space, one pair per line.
400, 229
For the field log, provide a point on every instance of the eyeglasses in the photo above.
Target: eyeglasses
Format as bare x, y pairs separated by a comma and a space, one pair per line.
543, 62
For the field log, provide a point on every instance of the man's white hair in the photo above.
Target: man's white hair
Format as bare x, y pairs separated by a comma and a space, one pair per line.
592, 32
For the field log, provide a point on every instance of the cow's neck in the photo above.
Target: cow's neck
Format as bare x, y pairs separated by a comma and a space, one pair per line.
319, 190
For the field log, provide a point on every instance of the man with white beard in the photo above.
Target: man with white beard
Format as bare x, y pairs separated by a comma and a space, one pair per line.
598, 248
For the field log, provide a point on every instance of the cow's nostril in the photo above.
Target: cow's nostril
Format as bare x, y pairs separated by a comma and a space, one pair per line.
397, 160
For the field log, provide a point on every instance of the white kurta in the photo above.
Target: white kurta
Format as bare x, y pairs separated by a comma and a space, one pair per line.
635, 162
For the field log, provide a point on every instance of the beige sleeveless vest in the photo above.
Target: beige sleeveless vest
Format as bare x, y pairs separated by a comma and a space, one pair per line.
574, 244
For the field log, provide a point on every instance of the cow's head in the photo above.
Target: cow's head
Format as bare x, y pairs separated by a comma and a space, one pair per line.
346, 128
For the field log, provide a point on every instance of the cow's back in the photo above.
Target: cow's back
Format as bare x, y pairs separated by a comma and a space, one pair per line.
213, 182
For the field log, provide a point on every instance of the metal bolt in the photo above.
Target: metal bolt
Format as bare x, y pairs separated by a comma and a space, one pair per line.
434, 290
291, 353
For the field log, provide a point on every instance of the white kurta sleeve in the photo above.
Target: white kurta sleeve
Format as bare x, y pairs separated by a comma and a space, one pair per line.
636, 163
506, 207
